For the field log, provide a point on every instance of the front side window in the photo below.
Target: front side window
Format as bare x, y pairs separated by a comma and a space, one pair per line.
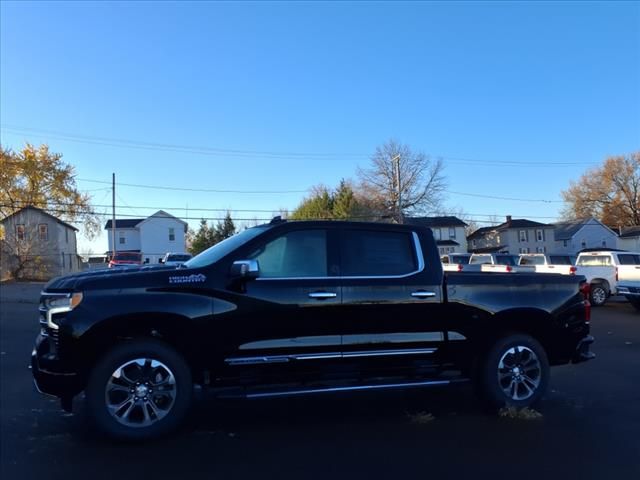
20, 232
301, 253
43, 232
370, 253
172, 234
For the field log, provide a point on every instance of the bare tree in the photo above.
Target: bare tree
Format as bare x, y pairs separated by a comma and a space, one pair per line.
23, 257
401, 181
610, 193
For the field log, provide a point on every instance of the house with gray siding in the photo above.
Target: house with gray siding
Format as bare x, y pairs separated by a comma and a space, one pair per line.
629, 239
573, 236
37, 245
448, 231
514, 236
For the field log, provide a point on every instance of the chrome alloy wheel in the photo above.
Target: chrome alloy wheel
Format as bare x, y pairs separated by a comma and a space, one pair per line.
519, 373
599, 295
140, 392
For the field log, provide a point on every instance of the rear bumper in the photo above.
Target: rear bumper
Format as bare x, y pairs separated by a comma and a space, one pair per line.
629, 291
49, 376
583, 350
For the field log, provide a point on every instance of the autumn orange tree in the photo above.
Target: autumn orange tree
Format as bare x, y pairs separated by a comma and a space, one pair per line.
36, 176
610, 193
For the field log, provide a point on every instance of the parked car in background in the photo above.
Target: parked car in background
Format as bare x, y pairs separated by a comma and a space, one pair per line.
175, 259
603, 269
455, 262
631, 291
124, 259
543, 263
497, 263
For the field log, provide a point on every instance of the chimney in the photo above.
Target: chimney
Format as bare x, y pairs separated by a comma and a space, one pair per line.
508, 218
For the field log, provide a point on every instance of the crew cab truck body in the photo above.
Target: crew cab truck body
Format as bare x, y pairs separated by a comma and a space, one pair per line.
604, 269
294, 308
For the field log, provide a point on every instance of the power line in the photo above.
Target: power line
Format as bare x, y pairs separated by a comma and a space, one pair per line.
513, 199
216, 151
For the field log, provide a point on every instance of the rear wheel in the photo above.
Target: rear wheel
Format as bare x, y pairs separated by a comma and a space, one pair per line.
598, 295
515, 372
138, 390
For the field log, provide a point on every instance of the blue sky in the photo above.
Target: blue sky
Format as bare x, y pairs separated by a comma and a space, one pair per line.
519, 98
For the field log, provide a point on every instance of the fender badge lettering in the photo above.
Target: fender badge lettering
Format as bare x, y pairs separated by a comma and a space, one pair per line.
199, 278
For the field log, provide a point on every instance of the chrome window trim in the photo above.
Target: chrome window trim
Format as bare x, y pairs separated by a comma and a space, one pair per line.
388, 353
420, 269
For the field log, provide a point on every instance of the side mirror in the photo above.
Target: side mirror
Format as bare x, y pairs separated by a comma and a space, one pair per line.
161, 260
245, 269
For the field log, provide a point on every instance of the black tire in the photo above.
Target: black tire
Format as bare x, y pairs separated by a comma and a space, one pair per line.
635, 302
166, 371
598, 295
514, 349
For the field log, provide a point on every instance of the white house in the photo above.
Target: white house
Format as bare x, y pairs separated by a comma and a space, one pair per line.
571, 237
448, 232
37, 245
152, 236
629, 239
514, 236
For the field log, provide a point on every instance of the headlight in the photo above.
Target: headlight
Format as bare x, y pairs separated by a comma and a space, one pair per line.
67, 301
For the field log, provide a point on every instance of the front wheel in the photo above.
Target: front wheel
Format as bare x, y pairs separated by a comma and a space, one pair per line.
515, 372
140, 389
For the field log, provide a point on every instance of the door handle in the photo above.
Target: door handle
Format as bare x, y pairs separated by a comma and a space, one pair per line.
322, 295
423, 294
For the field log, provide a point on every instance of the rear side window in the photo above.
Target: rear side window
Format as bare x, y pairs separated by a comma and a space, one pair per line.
301, 253
628, 259
372, 253
560, 260
594, 260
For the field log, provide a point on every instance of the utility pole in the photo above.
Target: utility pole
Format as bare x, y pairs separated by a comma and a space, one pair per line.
113, 218
396, 159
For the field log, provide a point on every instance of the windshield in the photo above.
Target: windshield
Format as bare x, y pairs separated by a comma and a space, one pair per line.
531, 260
219, 250
594, 261
480, 259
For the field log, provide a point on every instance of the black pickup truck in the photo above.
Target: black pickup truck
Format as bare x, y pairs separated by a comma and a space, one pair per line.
293, 308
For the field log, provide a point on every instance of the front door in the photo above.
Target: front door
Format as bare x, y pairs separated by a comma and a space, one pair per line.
287, 324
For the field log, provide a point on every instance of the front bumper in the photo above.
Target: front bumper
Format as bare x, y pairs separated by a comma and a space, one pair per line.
583, 352
49, 375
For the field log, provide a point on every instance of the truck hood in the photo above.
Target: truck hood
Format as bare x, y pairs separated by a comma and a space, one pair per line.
148, 276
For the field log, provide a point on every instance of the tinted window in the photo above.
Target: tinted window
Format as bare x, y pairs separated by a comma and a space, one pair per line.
506, 260
628, 259
464, 259
301, 253
371, 253
594, 260
531, 260
219, 250
178, 258
560, 260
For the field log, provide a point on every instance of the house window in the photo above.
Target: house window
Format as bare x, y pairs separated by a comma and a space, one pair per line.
541, 249
452, 232
43, 232
604, 242
522, 234
21, 234
172, 234
539, 235
583, 243
66, 234
564, 243
473, 243
122, 238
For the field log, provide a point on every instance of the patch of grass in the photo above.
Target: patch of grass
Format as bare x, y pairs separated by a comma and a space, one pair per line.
519, 413
421, 418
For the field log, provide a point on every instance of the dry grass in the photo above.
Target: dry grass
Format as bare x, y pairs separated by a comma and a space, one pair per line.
519, 413
421, 418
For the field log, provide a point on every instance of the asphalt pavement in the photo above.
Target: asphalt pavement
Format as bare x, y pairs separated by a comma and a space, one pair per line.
589, 429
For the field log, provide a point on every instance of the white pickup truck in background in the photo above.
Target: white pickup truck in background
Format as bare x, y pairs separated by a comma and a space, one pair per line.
496, 262
604, 269
543, 263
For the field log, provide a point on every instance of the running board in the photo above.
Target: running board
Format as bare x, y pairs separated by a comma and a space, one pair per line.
351, 388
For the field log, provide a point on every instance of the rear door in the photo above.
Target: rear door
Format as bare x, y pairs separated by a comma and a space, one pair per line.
391, 301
